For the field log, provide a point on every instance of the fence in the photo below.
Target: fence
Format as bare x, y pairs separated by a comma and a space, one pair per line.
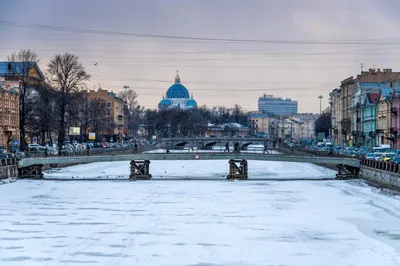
380, 165
8, 162
93, 151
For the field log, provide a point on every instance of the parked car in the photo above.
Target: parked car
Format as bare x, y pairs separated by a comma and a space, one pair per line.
378, 156
370, 156
19, 154
52, 151
388, 156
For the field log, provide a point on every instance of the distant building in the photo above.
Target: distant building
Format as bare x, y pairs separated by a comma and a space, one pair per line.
20, 71
277, 106
177, 97
9, 112
261, 123
114, 112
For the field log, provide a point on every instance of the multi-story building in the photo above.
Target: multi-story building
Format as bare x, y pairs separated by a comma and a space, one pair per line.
335, 102
347, 86
260, 123
369, 118
348, 111
277, 106
304, 126
395, 118
114, 112
383, 109
357, 102
9, 113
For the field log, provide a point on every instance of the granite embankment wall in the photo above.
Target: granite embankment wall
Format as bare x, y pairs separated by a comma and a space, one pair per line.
384, 174
8, 168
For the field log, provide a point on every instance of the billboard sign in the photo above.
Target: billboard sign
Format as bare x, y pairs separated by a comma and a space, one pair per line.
74, 131
92, 136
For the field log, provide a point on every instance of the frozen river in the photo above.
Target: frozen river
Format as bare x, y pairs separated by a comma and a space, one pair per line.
203, 222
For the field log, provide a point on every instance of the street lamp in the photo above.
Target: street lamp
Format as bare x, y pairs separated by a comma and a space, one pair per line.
320, 103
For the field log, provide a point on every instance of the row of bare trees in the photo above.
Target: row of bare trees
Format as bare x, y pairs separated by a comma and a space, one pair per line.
50, 104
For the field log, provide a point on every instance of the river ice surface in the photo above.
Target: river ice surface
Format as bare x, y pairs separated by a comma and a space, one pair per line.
206, 221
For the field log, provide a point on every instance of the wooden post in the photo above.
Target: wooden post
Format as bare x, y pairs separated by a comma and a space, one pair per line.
33, 171
140, 170
238, 169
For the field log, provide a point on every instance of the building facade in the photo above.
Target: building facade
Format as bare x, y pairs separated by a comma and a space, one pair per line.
260, 123
114, 112
277, 106
357, 102
395, 118
177, 96
335, 102
349, 102
383, 109
9, 113
369, 118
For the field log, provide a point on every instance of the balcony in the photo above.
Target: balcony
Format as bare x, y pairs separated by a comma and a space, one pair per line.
394, 130
393, 110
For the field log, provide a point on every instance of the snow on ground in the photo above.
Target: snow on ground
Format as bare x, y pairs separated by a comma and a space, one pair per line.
204, 169
310, 223
7, 180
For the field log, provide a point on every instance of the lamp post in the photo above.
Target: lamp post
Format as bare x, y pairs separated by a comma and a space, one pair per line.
320, 103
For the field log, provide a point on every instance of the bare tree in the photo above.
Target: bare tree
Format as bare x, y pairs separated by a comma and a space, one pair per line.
67, 75
44, 113
19, 66
97, 116
130, 97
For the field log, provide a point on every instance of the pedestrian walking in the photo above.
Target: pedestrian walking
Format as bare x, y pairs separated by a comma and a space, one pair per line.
226, 147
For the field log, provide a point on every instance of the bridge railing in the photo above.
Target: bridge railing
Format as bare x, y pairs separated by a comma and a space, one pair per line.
380, 165
89, 152
7, 162
252, 150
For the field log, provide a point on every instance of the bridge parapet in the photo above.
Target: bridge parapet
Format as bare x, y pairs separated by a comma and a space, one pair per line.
201, 143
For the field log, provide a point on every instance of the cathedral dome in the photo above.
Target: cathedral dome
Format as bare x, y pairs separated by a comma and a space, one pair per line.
165, 103
177, 90
191, 103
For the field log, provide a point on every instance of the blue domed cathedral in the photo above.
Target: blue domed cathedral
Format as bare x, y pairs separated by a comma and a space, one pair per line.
177, 97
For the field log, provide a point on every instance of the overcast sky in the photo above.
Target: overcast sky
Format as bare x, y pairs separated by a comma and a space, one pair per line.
331, 40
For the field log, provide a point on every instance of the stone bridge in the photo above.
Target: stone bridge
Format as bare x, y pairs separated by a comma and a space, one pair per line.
208, 143
32, 167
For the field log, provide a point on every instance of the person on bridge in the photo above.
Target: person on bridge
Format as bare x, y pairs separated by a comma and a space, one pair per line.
266, 148
236, 147
136, 147
226, 147
87, 149
168, 151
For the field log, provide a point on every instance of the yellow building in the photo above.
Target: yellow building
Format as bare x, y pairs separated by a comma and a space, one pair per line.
9, 112
114, 111
383, 117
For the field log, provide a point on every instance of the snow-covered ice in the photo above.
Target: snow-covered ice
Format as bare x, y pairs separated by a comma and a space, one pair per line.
210, 222
202, 169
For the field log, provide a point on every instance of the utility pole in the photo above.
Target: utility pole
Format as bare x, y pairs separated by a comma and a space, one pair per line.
320, 103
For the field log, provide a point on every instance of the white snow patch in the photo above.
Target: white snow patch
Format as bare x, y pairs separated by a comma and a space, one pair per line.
205, 169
